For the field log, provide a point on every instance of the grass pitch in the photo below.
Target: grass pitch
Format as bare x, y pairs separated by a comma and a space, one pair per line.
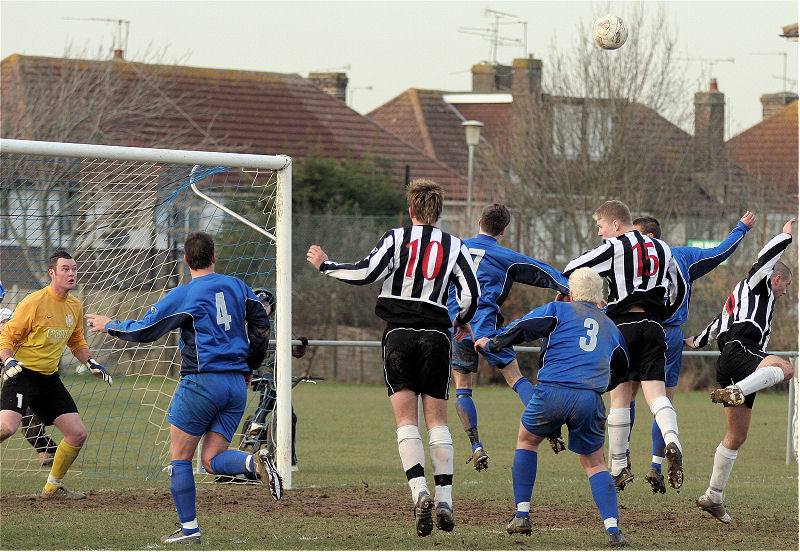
350, 492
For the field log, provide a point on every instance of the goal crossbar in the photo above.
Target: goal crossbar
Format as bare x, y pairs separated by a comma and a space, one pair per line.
147, 155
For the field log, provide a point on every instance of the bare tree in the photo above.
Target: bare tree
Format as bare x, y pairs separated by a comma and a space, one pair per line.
609, 125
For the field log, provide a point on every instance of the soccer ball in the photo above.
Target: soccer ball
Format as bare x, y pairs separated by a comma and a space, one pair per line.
609, 32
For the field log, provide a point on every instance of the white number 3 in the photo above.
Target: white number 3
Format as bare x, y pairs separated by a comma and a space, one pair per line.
222, 311
589, 343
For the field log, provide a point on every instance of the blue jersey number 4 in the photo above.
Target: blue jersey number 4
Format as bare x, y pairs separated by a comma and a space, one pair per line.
222, 311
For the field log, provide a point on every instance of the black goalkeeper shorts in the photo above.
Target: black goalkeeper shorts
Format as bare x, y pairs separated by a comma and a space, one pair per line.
45, 394
417, 359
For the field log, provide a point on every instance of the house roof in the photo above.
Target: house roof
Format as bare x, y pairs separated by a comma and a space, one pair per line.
243, 111
431, 120
769, 150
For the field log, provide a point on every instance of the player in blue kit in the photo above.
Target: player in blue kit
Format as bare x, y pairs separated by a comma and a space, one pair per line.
693, 263
497, 268
218, 355
580, 344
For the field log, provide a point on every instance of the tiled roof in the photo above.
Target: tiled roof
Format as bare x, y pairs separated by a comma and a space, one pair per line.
244, 111
768, 150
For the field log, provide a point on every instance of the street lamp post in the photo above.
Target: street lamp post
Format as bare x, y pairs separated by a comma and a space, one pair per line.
473, 135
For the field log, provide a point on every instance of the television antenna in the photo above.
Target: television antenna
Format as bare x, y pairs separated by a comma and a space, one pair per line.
710, 62
352, 91
785, 55
331, 69
120, 43
492, 33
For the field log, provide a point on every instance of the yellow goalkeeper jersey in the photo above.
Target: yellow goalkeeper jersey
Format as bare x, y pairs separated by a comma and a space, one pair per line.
42, 324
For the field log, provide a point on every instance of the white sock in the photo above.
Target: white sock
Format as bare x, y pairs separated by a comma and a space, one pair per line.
412, 454
723, 464
249, 463
667, 420
53, 481
524, 507
619, 425
760, 379
657, 460
610, 522
440, 444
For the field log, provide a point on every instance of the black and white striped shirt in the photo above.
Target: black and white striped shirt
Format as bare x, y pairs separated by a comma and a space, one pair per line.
417, 265
640, 271
747, 313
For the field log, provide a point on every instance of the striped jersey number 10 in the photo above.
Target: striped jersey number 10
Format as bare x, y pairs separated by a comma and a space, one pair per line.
222, 311
433, 248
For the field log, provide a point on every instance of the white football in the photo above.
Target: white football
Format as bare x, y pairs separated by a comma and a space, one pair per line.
609, 32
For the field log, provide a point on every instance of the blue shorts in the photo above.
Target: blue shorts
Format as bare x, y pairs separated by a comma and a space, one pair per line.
209, 401
672, 369
465, 358
582, 410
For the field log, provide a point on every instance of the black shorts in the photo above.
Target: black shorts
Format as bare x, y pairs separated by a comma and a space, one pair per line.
417, 359
46, 395
736, 362
647, 348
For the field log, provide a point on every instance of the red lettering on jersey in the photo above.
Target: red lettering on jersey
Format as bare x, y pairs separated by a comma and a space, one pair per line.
730, 304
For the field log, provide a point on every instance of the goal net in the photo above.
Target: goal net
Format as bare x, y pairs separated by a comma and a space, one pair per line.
123, 214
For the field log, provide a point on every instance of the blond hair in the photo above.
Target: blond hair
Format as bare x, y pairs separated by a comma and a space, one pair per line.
425, 198
585, 284
614, 210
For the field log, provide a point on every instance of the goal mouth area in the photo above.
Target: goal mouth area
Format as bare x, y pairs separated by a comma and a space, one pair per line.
123, 213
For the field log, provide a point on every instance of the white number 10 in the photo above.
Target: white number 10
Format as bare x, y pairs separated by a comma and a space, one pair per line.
222, 311
589, 342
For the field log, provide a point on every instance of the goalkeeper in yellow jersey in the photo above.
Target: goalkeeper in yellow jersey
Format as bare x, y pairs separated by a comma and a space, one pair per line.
31, 344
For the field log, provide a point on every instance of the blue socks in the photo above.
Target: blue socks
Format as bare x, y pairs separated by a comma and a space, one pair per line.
658, 445
523, 474
524, 389
465, 406
605, 496
184, 493
230, 462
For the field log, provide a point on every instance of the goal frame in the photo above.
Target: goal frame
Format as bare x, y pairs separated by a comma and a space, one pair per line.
282, 164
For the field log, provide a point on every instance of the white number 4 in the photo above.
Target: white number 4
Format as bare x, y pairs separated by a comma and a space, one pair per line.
589, 342
222, 311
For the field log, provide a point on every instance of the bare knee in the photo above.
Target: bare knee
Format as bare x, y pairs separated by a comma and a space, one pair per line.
783, 364
734, 441
6, 432
77, 437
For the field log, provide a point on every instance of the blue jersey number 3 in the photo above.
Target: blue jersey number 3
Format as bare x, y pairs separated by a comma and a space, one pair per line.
222, 311
589, 342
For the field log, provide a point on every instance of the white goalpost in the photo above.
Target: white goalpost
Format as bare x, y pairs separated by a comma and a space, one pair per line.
123, 213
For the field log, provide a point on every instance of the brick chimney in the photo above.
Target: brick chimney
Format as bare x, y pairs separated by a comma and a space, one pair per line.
709, 128
334, 84
770, 103
526, 77
483, 75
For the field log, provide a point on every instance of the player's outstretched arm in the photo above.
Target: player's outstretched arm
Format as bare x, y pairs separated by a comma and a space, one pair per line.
748, 219
787, 228
97, 322
316, 256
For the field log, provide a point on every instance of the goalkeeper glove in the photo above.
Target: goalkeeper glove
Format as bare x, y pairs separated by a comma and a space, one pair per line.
11, 368
99, 371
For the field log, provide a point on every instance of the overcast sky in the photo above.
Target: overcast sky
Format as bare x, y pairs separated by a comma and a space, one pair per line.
393, 46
